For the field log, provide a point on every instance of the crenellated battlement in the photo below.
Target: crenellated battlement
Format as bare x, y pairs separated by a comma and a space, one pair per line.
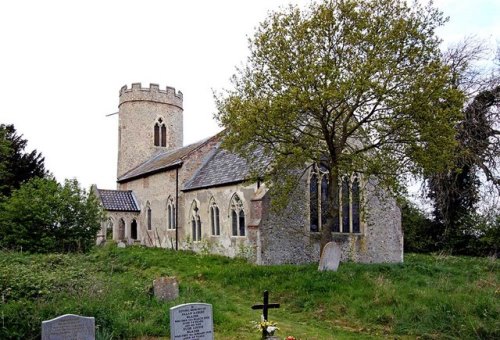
153, 93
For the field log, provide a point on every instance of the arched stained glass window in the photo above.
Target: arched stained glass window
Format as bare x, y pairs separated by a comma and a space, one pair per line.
348, 197
195, 222
148, 216
313, 203
160, 133
237, 216
170, 213
355, 206
214, 217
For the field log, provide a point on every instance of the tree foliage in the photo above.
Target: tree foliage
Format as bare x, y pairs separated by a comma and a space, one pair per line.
356, 85
45, 216
16, 165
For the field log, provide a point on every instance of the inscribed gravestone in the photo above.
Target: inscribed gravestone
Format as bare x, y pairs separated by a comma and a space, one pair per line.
330, 258
192, 321
166, 288
69, 327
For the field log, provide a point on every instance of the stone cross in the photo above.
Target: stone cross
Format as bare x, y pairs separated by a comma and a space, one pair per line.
266, 305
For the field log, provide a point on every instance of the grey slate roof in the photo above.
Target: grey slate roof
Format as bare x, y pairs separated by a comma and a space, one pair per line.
118, 200
162, 161
222, 167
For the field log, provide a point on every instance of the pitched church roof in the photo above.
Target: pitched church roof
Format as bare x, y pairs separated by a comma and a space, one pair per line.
162, 161
118, 200
222, 168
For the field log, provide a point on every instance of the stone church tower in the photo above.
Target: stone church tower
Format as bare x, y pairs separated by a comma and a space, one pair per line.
150, 121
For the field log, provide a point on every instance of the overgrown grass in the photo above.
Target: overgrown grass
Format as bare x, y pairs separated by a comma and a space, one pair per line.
427, 296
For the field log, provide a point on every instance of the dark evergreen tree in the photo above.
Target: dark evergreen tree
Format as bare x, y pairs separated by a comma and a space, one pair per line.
16, 165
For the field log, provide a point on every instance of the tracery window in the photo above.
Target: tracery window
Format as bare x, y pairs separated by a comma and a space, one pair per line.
348, 220
160, 133
237, 216
171, 221
214, 217
195, 222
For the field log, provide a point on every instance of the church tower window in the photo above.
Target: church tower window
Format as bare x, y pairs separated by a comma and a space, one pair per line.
214, 217
170, 213
195, 222
160, 133
237, 216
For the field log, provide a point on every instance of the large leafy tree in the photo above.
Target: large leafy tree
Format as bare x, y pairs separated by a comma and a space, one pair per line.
357, 85
45, 216
16, 165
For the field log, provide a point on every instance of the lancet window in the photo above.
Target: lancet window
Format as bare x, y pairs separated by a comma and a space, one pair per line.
214, 217
195, 222
237, 216
348, 219
148, 216
160, 133
171, 213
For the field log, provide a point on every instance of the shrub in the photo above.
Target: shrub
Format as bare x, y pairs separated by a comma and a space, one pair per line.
45, 216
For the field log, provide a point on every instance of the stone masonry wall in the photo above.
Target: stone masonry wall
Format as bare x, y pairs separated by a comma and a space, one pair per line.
139, 109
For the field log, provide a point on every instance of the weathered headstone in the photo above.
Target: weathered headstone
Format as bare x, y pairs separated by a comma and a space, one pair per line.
121, 244
166, 288
330, 258
69, 327
192, 321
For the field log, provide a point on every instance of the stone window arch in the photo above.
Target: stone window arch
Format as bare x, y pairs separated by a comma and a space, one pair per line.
160, 133
148, 216
214, 217
171, 220
237, 214
195, 221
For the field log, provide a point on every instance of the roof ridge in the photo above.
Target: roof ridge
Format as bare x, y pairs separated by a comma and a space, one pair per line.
207, 159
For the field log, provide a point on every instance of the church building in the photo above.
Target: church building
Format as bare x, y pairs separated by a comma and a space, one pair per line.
198, 197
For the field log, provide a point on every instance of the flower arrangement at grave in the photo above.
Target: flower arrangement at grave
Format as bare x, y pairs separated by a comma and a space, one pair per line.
266, 327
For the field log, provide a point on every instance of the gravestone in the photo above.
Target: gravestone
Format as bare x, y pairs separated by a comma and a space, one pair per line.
330, 258
166, 288
69, 327
192, 321
121, 244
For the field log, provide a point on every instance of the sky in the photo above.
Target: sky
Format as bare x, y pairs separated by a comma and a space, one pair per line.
62, 64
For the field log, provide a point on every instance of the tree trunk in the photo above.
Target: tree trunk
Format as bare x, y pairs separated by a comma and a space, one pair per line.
333, 207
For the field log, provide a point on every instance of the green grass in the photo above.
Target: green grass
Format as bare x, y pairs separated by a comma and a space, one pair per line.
426, 297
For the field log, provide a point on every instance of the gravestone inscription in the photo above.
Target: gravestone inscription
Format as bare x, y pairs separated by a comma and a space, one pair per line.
330, 258
69, 327
192, 321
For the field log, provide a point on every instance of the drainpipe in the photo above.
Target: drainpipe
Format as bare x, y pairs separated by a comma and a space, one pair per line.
176, 208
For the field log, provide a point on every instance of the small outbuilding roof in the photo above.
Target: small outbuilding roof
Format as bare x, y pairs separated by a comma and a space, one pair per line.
118, 200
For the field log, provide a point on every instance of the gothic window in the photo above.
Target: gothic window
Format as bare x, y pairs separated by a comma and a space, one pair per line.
313, 203
214, 217
148, 216
237, 216
109, 229
133, 230
195, 222
160, 133
170, 213
348, 197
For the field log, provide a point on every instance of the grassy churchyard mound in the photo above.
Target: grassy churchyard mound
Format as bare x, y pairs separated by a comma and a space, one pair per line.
429, 296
